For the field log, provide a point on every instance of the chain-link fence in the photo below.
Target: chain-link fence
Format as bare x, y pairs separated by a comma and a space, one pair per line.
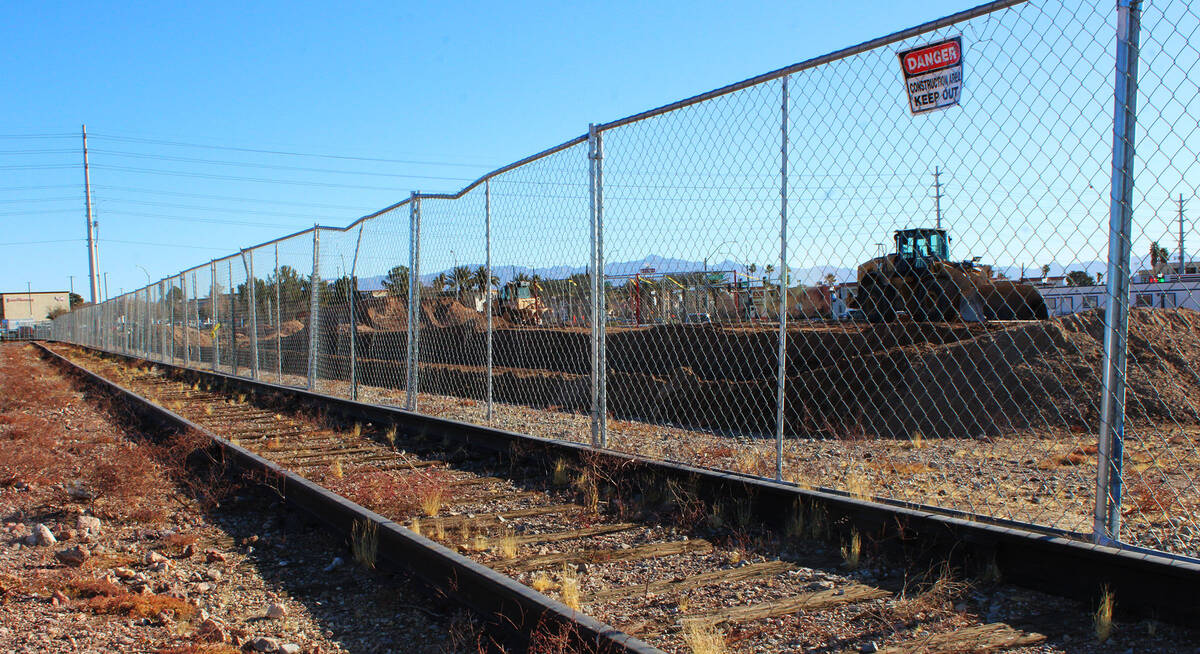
930, 269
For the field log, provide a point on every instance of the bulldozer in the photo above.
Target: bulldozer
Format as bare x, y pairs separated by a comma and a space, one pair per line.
520, 304
920, 280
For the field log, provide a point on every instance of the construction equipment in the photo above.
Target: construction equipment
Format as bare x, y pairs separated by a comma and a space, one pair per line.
920, 280
520, 304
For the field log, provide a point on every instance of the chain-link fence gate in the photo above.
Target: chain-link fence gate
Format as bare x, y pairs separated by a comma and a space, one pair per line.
930, 269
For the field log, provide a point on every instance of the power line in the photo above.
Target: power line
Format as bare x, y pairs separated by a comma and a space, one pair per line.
188, 246
235, 178
190, 219
60, 240
227, 210
244, 164
131, 139
205, 196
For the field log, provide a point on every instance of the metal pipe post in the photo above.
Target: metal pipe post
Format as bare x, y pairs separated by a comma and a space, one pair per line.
160, 316
278, 324
187, 319
196, 314
487, 290
414, 302
1107, 524
314, 308
599, 322
170, 299
233, 351
780, 381
216, 340
252, 311
354, 318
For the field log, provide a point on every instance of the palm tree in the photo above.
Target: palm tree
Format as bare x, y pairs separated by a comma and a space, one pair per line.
440, 282
396, 281
483, 281
461, 281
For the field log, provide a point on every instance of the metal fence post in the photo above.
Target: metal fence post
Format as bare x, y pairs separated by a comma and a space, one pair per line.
216, 340
252, 311
161, 318
599, 321
196, 313
233, 350
187, 343
354, 318
414, 301
487, 289
780, 381
169, 299
1107, 525
278, 323
314, 308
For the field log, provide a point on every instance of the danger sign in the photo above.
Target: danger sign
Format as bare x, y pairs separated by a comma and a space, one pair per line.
933, 75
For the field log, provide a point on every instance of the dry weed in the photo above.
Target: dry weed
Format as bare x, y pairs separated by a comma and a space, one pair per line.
1103, 619
508, 545
364, 542
852, 551
431, 502
703, 637
542, 582
568, 590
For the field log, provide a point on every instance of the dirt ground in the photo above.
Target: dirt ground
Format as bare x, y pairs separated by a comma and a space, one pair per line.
148, 558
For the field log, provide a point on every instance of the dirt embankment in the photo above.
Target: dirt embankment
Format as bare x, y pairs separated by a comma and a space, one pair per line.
843, 380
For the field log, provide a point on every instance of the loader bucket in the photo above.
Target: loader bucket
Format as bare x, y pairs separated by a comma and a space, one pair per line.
1013, 301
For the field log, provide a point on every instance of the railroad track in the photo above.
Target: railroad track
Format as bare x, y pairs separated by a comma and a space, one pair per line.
622, 555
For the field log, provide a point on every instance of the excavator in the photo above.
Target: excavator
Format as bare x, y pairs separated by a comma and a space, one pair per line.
920, 279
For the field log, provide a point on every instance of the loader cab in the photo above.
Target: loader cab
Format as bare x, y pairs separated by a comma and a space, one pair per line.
918, 247
513, 291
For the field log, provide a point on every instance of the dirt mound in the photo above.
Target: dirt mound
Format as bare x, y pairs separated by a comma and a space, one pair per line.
193, 338
386, 314
445, 312
1039, 376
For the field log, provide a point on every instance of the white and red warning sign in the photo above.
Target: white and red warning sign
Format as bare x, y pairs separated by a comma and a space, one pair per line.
933, 75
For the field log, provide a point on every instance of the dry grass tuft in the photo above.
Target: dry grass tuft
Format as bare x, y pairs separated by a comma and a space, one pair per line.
703, 637
568, 587
1103, 619
335, 469
561, 474
542, 582
508, 545
590, 494
852, 551
364, 542
415, 526
390, 435
431, 502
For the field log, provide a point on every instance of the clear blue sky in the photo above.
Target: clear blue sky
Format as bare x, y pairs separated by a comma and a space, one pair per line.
446, 91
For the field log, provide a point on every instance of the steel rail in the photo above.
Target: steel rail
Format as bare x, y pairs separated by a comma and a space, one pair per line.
1145, 583
507, 602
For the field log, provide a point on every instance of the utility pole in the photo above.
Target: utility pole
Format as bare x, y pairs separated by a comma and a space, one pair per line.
1182, 267
93, 258
937, 193
72, 278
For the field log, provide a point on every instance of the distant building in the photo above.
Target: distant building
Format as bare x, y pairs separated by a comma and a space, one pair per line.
1174, 291
31, 306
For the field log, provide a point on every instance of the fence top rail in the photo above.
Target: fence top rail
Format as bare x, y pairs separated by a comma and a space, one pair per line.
923, 28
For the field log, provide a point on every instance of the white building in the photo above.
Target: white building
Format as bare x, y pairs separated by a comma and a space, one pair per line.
1173, 291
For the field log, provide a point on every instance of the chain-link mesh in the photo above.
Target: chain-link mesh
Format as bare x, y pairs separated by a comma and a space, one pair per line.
455, 288
540, 243
910, 306
382, 271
